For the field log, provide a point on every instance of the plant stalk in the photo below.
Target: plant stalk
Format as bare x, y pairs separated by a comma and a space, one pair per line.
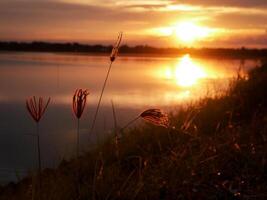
100, 98
78, 139
129, 123
115, 129
39, 159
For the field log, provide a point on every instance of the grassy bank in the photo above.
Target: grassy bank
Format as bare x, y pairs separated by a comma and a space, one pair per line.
217, 150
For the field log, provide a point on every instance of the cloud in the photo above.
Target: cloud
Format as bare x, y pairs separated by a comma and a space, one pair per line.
39, 19
100, 20
43, 19
258, 41
232, 3
239, 21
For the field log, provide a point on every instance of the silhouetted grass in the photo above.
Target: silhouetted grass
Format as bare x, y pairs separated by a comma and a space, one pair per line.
37, 108
217, 151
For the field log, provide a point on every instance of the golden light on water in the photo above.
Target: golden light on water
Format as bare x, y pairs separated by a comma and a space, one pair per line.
186, 72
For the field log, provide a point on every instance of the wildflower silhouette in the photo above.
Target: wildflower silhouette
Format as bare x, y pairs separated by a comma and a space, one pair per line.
156, 117
37, 108
78, 105
153, 116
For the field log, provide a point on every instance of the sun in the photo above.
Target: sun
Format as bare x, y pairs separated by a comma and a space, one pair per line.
188, 32
185, 32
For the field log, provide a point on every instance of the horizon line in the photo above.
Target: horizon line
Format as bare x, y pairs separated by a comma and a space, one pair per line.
130, 46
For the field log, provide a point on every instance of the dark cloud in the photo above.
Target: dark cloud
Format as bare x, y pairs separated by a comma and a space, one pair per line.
47, 12
43, 19
27, 10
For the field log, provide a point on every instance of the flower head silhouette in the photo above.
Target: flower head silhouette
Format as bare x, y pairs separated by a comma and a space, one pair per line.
116, 47
78, 105
156, 117
79, 102
36, 107
153, 116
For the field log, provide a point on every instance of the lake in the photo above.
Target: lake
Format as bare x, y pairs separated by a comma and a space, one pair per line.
136, 83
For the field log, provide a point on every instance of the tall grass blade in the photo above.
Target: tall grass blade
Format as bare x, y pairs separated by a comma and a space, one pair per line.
116, 130
113, 56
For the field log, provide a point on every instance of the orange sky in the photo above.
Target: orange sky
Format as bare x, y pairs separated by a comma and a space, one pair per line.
198, 23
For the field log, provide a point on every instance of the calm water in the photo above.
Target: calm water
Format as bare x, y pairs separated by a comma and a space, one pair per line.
135, 83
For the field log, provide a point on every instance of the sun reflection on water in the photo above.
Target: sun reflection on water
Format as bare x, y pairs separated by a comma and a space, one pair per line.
186, 73
135, 81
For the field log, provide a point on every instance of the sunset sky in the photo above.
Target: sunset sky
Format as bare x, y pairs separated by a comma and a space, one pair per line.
166, 23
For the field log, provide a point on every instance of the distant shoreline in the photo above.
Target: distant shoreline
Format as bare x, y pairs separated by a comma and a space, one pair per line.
138, 51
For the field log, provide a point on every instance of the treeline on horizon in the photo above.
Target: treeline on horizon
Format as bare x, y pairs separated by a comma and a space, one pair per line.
125, 49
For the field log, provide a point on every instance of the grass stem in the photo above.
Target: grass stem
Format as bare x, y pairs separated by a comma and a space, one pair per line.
129, 123
78, 139
115, 129
100, 98
39, 160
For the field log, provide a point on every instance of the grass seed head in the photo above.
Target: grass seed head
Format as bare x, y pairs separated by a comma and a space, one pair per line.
79, 102
36, 107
